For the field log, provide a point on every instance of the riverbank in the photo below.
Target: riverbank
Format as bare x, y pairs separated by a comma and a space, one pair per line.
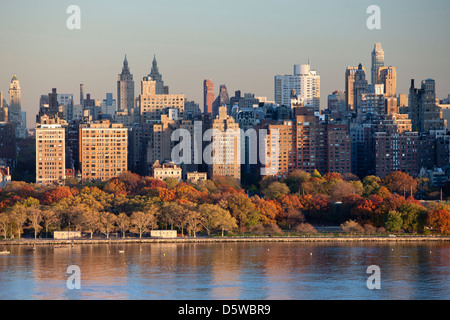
27, 242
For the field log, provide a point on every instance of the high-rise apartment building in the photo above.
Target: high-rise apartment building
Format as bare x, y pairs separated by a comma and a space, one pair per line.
305, 143
377, 61
152, 105
50, 150
208, 96
388, 77
226, 147
103, 150
423, 108
125, 88
304, 81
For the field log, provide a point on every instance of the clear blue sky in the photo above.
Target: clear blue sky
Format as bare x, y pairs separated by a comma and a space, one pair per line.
240, 43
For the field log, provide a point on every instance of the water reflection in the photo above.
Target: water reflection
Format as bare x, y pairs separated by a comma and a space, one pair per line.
228, 271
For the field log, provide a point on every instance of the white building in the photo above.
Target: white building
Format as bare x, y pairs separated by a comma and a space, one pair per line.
5, 177
304, 81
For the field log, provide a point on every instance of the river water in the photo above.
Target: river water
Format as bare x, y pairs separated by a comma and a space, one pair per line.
227, 271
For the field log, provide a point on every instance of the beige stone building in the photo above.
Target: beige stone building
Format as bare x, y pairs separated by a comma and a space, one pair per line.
195, 177
50, 151
388, 77
152, 104
103, 150
226, 147
166, 170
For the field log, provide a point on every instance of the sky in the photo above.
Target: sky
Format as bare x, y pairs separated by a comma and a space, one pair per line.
240, 43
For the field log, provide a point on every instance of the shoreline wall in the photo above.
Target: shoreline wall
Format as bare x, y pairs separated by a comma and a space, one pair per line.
222, 240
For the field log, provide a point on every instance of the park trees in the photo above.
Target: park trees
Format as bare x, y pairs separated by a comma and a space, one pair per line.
107, 222
123, 222
439, 219
143, 221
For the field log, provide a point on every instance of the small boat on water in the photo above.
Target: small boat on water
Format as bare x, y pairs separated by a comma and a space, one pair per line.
4, 253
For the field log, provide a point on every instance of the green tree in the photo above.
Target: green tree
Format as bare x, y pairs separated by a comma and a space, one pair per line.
413, 216
394, 221
275, 190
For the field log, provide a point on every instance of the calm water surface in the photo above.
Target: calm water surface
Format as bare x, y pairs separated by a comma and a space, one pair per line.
247, 271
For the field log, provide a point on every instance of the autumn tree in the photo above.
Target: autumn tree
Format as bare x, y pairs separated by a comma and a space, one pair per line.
295, 180
143, 221
90, 221
107, 223
4, 224
352, 227
34, 214
291, 211
18, 216
50, 218
371, 185
275, 190
55, 195
169, 213
439, 219
212, 216
268, 210
401, 183
123, 222
243, 210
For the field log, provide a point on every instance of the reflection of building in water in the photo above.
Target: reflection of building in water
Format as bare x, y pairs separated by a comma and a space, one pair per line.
225, 272
103, 269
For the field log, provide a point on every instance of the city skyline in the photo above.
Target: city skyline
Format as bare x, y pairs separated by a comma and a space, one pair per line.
244, 54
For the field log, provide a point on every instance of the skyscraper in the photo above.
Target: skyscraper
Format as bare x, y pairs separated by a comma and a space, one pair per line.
15, 107
50, 151
223, 99
360, 87
304, 81
103, 150
208, 96
125, 88
423, 108
226, 147
377, 61
349, 87
157, 77
388, 77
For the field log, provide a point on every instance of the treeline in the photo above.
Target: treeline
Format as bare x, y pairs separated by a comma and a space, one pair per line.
131, 203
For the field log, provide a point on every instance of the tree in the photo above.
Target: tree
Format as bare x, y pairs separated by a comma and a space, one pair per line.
371, 185
107, 223
211, 216
291, 211
169, 213
34, 214
275, 190
352, 227
439, 219
295, 180
55, 195
49, 217
394, 221
115, 186
123, 222
4, 224
90, 221
243, 210
18, 216
413, 216
401, 183
143, 221
305, 228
